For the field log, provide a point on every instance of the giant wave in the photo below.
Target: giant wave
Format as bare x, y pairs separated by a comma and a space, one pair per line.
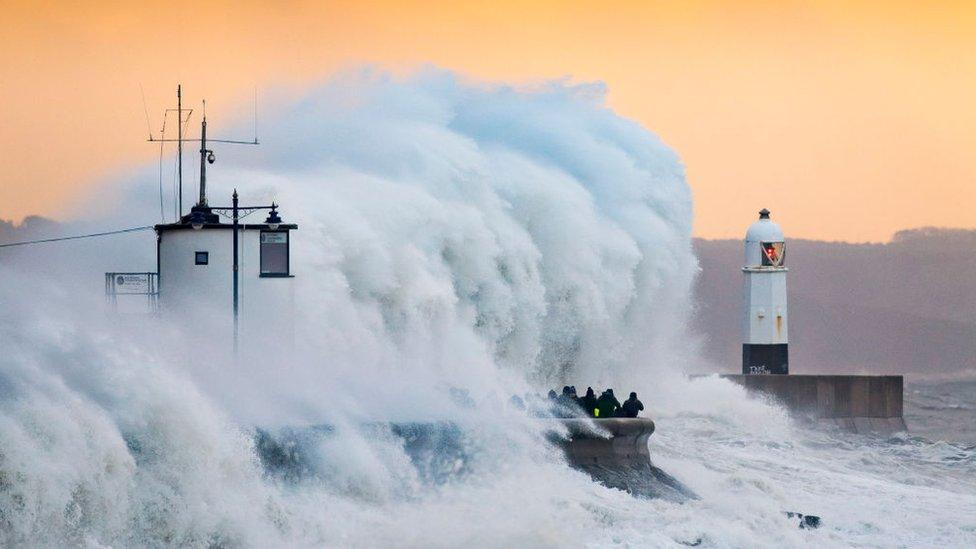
454, 234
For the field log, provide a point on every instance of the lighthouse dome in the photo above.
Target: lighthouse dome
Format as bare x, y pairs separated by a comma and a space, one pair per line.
764, 242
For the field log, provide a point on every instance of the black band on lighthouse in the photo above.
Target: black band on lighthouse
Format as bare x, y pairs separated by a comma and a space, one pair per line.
765, 359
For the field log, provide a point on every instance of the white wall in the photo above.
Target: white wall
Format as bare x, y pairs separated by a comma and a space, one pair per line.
765, 310
204, 293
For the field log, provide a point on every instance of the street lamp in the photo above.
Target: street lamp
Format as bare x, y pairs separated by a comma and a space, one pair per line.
197, 219
273, 219
273, 222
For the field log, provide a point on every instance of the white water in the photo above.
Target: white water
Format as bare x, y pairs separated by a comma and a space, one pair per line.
452, 235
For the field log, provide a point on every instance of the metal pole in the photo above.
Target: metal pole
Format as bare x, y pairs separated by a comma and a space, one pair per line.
203, 163
179, 145
236, 225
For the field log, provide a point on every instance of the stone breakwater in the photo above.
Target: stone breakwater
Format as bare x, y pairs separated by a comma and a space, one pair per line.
855, 403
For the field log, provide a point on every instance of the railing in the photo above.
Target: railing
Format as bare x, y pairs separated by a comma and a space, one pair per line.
133, 284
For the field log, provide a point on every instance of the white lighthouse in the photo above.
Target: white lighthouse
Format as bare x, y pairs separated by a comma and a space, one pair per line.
765, 322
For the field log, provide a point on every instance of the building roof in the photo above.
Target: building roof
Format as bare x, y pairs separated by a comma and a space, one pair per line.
764, 229
163, 227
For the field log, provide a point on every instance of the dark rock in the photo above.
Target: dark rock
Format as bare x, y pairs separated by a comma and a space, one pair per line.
806, 521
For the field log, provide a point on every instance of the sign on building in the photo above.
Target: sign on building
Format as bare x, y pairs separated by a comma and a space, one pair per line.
132, 284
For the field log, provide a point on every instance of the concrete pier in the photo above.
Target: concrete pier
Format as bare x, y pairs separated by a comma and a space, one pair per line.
614, 452
607, 442
860, 404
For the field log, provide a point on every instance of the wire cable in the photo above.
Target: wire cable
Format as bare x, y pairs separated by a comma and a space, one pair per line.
145, 108
76, 237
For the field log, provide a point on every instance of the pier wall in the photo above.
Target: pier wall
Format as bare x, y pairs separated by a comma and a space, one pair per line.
856, 403
608, 441
614, 452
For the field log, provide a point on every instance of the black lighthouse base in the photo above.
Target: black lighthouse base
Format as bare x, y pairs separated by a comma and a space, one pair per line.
765, 359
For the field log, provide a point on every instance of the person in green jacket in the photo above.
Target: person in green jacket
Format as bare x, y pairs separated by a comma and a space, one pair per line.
607, 405
588, 402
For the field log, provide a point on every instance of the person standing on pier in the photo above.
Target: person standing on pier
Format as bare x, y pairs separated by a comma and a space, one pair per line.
607, 405
588, 402
631, 407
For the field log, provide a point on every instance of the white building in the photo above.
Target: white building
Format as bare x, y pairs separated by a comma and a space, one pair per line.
765, 321
195, 262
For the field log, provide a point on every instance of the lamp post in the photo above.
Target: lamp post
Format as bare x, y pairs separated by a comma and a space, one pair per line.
236, 267
235, 210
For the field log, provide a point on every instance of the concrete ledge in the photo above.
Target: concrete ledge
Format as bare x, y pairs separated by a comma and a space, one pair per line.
614, 452
606, 442
860, 404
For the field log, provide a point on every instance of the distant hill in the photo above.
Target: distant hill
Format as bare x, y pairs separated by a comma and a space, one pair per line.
33, 226
905, 306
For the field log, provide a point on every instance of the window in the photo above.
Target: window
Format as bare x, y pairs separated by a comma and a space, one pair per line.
274, 253
202, 258
773, 254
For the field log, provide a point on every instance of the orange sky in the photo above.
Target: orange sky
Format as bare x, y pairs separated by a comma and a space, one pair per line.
848, 121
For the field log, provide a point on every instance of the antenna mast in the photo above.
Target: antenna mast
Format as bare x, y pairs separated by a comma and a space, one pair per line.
179, 146
204, 158
206, 155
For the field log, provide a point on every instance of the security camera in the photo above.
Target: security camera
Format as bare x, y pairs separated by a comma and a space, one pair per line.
211, 158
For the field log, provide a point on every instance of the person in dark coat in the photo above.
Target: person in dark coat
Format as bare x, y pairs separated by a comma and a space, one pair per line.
552, 407
631, 407
567, 403
588, 402
607, 405
572, 394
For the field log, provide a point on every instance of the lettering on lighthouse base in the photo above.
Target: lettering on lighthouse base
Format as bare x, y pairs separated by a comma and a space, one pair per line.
765, 359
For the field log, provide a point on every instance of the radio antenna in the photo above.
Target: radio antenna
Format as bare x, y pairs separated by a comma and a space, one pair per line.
255, 113
146, 110
206, 155
179, 143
